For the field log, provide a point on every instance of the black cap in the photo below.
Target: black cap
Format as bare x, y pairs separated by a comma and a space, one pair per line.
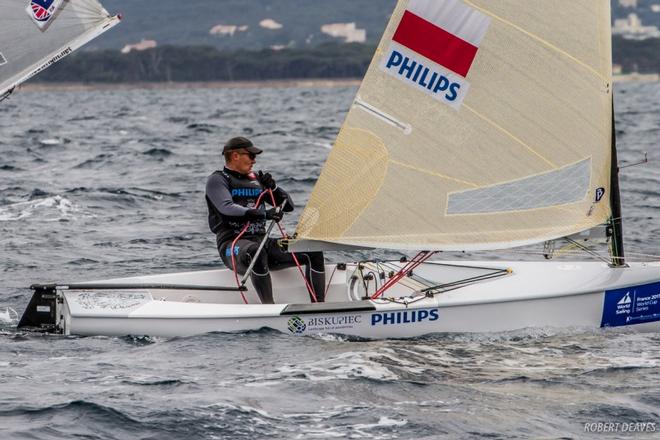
241, 143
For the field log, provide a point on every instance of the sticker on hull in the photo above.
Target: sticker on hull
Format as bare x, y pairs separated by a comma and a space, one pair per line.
323, 324
633, 305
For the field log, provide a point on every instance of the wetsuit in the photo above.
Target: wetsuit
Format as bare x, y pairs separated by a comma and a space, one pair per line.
231, 198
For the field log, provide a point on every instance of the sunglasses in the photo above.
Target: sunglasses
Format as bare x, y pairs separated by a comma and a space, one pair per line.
251, 155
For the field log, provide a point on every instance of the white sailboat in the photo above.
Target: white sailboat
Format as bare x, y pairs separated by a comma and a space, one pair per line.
35, 34
480, 125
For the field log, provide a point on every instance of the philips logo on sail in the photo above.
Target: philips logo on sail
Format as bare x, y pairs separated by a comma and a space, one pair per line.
405, 317
425, 76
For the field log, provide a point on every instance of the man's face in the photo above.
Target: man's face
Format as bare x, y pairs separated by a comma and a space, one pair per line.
242, 161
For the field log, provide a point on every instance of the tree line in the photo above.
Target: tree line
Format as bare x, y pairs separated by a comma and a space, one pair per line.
206, 63
202, 63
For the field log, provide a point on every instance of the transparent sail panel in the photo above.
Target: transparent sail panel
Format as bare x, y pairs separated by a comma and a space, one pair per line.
480, 124
554, 188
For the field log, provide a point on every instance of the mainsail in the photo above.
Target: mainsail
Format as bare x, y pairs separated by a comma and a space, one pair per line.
480, 124
34, 34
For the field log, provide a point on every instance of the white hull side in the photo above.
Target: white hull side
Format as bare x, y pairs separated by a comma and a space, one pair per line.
535, 295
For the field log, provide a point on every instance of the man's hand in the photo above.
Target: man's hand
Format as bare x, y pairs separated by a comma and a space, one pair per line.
267, 180
264, 214
274, 214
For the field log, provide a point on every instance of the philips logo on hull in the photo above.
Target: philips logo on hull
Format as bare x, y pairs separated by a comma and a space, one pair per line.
425, 76
405, 317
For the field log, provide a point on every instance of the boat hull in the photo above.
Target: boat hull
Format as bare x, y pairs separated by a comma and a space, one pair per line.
580, 296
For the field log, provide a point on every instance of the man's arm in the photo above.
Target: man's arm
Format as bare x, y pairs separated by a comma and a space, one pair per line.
217, 190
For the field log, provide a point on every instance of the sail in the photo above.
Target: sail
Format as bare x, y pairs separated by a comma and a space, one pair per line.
34, 34
480, 124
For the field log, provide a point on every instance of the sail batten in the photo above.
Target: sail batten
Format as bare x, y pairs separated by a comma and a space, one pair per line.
501, 141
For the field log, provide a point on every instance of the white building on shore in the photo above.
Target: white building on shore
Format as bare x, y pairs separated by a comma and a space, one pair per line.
632, 27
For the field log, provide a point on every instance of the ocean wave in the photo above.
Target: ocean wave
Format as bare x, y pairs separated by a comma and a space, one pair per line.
10, 168
158, 152
155, 382
203, 127
62, 420
97, 160
141, 193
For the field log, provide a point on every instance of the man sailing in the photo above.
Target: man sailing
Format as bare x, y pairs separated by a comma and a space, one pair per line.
231, 196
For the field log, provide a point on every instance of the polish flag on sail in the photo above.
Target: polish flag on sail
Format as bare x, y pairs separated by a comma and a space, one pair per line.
447, 32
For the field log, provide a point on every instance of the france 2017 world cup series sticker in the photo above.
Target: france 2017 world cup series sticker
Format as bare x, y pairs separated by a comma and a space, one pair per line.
632, 305
43, 11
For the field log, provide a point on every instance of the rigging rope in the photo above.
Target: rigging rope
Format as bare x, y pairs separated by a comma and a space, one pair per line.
310, 289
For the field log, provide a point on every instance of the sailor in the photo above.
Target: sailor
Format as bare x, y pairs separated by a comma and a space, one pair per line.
232, 195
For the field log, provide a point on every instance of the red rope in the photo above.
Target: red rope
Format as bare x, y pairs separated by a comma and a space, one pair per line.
410, 266
310, 289
238, 237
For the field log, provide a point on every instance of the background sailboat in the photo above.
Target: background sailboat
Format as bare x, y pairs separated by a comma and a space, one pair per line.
36, 34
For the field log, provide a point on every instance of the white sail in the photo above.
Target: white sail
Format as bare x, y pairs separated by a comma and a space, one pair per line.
480, 124
35, 34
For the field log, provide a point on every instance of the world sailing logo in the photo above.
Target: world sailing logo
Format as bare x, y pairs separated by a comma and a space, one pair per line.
41, 11
434, 46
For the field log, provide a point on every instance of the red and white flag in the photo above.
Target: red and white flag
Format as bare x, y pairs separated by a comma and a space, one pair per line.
434, 47
447, 32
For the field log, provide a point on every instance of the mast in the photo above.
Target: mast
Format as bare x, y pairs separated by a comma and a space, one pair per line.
616, 222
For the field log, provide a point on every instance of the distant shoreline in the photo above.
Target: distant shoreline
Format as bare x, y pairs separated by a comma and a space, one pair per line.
289, 83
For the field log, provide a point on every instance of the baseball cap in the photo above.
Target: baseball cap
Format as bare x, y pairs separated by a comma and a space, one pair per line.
241, 143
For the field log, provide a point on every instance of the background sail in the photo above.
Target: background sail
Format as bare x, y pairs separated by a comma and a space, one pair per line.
480, 124
34, 35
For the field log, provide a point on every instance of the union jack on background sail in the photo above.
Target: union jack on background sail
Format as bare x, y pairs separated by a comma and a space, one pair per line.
42, 11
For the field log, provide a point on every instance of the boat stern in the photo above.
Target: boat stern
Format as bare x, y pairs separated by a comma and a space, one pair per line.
43, 312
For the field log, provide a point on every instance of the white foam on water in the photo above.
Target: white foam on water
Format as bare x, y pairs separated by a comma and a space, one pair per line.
384, 421
50, 208
50, 142
6, 316
350, 365
326, 145
345, 366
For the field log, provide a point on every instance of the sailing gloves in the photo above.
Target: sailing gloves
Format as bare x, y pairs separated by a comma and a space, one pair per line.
274, 214
267, 181
264, 214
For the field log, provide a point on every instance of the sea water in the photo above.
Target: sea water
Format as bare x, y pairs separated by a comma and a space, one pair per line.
110, 183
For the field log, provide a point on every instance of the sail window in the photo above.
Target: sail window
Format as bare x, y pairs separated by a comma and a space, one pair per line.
3, 60
569, 184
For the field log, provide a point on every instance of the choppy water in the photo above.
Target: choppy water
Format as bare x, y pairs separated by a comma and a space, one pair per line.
110, 183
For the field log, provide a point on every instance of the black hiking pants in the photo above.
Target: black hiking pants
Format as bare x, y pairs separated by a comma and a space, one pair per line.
272, 258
